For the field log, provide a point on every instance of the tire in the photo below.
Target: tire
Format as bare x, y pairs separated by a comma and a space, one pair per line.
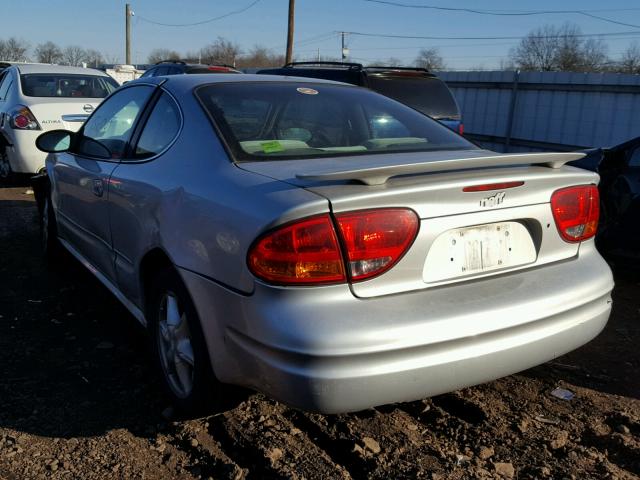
6, 176
178, 346
49, 231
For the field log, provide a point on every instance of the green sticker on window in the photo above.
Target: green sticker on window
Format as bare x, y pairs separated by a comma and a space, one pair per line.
271, 147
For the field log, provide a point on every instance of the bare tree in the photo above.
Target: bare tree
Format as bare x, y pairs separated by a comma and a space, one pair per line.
192, 57
260, 57
221, 51
111, 58
74, 55
630, 62
93, 58
594, 55
551, 48
391, 62
160, 54
14, 50
48, 52
430, 59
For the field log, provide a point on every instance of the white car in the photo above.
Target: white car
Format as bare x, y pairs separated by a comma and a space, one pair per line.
36, 98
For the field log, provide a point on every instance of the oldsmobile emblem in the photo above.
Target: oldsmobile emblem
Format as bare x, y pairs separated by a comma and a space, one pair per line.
493, 200
88, 108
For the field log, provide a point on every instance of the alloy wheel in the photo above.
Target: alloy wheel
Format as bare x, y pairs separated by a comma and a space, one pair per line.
175, 346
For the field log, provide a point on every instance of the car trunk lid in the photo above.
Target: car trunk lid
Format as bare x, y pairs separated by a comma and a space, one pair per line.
67, 113
463, 235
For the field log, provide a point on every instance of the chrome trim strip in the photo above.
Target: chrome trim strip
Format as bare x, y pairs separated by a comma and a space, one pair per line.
75, 118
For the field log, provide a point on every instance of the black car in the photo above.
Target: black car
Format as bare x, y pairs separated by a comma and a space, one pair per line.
177, 67
415, 87
619, 169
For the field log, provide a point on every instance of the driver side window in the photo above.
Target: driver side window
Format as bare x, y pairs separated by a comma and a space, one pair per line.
112, 123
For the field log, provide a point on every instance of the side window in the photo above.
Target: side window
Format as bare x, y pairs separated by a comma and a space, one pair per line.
161, 71
149, 73
634, 161
160, 130
112, 123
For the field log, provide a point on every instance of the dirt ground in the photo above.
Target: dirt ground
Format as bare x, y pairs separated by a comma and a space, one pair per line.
78, 400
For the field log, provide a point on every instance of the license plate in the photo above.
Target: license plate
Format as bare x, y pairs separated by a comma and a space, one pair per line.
482, 248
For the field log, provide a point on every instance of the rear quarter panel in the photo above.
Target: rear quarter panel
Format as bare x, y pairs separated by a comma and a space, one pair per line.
198, 207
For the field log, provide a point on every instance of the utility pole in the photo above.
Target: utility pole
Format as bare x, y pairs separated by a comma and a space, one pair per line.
128, 14
345, 50
289, 56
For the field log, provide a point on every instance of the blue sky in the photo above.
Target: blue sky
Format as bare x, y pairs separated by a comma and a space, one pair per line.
100, 25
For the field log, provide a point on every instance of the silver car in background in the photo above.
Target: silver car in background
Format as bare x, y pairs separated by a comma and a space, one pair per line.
322, 243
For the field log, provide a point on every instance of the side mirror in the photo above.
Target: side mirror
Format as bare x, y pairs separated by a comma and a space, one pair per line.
55, 141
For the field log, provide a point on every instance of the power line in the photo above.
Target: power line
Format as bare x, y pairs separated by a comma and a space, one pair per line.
511, 13
419, 37
496, 12
220, 17
449, 45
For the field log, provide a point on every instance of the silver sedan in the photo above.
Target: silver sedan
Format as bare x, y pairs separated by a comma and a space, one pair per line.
322, 243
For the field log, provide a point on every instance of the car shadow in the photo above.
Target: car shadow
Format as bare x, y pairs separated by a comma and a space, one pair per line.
610, 362
73, 361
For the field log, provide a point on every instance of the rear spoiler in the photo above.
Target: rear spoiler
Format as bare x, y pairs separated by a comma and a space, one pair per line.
380, 175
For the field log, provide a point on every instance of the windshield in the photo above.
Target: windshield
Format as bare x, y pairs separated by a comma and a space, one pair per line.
66, 86
427, 94
279, 120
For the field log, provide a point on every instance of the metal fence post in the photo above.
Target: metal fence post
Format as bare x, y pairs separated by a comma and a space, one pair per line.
512, 108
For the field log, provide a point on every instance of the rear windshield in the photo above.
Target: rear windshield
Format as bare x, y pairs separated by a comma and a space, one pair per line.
427, 94
66, 86
265, 121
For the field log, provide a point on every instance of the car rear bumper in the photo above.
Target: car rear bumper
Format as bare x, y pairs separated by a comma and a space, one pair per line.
23, 155
325, 350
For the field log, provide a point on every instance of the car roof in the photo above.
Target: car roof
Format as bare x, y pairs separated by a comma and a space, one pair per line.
64, 69
186, 81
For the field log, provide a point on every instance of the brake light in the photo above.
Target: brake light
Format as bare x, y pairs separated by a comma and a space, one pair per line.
21, 118
307, 252
461, 129
219, 69
376, 239
492, 186
576, 211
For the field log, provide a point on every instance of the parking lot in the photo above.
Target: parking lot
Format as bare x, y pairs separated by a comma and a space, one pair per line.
78, 399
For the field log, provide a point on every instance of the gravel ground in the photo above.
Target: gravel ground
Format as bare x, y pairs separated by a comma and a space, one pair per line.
78, 400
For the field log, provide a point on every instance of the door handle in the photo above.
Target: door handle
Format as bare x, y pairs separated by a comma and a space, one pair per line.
98, 187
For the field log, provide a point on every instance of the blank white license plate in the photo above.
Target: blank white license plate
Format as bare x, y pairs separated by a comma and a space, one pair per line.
466, 251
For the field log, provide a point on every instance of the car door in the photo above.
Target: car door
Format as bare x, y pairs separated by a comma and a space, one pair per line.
136, 191
82, 176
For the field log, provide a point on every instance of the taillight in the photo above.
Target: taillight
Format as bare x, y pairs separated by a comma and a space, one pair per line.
576, 211
305, 252
375, 240
461, 128
21, 118
308, 252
